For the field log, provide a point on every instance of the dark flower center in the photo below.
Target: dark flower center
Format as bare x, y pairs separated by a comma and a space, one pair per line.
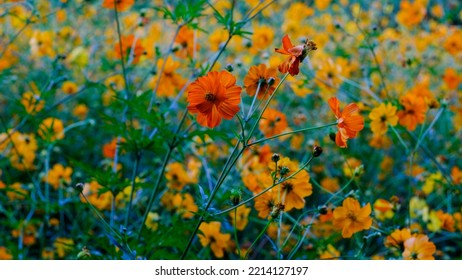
210, 97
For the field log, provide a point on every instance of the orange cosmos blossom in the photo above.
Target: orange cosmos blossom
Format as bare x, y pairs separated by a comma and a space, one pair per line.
419, 248
297, 54
130, 47
213, 97
122, 5
349, 121
351, 217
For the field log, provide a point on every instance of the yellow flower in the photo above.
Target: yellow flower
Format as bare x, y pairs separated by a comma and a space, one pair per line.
177, 177
292, 192
32, 103
218, 37
411, 14
69, 87
211, 236
330, 184
41, 44
152, 221
381, 117
241, 217
383, 209
182, 204
322, 4
351, 217
15, 191
102, 201
432, 181
330, 253
63, 246
80, 111
57, 175
262, 37
22, 152
350, 166
453, 43
51, 129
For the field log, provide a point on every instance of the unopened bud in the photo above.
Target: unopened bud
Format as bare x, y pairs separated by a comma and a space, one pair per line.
79, 187
229, 68
235, 196
284, 171
275, 157
317, 151
359, 170
271, 81
332, 136
323, 210
84, 254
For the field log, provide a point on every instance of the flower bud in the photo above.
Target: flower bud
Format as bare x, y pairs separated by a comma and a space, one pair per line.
229, 68
284, 171
84, 254
271, 81
235, 196
317, 151
79, 187
275, 157
332, 136
323, 209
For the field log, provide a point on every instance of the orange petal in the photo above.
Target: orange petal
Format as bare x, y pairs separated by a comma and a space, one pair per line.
334, 106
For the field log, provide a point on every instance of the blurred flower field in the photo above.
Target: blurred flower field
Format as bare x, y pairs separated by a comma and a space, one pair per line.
223, 129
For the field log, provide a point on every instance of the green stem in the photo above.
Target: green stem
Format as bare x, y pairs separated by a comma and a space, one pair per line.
266, 105
290, 133
132, 191
235, 234
258, 238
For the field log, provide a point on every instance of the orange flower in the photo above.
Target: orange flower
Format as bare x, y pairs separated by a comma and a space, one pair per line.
51, 129
349, 122
293, 191
264, 204
296, 53
273, 122
413, 112
185, 43
351, 217
213, 97
419, 248
210, 235
132, 50
397, 238
121, 5
261, 79
451, 78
